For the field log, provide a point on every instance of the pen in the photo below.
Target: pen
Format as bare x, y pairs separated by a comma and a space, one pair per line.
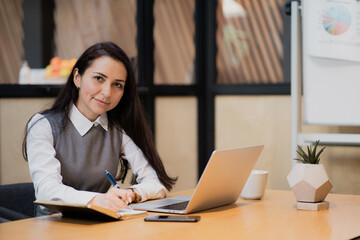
114, 183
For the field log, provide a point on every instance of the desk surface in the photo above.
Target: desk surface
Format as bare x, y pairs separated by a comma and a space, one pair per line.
274, 217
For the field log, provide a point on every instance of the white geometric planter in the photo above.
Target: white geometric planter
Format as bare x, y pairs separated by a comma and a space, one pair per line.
309, 182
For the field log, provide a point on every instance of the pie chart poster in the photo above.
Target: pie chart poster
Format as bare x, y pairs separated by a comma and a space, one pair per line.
334, 28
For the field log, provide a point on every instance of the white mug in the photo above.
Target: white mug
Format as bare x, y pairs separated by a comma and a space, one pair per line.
255, 186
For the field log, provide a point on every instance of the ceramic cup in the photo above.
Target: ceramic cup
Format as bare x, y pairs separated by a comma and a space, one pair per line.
255, 186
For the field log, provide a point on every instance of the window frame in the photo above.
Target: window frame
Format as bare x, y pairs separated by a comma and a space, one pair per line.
205, 88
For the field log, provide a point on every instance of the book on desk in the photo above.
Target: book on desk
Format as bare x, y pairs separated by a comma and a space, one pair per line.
90, 211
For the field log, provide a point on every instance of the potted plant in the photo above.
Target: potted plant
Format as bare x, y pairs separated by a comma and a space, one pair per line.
308, 179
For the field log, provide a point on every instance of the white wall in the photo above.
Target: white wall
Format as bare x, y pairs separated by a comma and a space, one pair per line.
176, 138
252, 120
14, 114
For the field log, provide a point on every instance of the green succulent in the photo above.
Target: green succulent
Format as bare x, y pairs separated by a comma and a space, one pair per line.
311, 157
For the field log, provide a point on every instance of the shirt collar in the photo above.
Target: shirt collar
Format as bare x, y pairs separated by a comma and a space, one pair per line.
82, 124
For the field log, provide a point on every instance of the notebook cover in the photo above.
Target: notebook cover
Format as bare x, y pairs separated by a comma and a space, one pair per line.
89, 211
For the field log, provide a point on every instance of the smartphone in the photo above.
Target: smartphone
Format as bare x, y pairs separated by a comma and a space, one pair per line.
172, 218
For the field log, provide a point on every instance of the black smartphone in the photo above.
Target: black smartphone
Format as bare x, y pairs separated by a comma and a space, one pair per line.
172, 218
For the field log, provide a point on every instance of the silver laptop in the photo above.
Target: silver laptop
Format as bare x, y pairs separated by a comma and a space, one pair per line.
220, 184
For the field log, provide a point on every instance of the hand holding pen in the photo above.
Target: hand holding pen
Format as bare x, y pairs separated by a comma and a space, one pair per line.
114, 183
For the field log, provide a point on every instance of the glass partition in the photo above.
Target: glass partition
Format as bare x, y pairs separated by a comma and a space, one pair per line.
78, 24
174, 42
11, 45
250, 41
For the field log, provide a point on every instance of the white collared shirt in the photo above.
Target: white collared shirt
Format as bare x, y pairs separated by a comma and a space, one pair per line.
45, 169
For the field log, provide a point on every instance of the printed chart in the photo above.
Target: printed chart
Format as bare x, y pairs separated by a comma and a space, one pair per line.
336, 20
334, 29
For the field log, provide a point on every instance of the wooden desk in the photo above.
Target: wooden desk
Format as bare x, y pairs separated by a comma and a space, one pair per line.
274, 217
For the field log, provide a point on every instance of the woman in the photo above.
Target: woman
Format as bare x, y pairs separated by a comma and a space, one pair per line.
95, 122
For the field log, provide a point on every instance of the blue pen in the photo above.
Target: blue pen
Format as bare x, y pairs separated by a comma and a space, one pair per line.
113, 182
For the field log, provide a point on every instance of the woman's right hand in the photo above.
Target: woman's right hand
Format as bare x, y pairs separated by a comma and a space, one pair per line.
114, 199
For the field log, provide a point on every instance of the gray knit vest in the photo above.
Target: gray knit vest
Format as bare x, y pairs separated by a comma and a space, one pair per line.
84, 159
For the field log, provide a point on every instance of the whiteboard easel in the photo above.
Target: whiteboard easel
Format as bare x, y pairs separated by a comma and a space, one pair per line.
297, 137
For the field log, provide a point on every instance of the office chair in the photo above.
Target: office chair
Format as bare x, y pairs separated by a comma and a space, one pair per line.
16, 201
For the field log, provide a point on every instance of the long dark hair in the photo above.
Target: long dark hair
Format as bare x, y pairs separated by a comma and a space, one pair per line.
127, 115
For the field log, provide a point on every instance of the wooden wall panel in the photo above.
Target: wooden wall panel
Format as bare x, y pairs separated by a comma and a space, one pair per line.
81, 23
174, 41
11, 40
250, 48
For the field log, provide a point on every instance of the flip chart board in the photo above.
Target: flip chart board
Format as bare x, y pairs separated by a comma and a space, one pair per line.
331, 62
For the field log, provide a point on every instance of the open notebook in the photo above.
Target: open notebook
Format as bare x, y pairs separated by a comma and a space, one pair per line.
90, 211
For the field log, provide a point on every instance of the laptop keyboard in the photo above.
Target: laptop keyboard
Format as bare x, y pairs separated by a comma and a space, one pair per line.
176, 206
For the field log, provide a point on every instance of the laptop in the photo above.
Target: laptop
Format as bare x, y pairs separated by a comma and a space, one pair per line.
220, 184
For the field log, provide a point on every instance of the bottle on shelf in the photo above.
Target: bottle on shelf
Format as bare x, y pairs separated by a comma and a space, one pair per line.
25, 73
